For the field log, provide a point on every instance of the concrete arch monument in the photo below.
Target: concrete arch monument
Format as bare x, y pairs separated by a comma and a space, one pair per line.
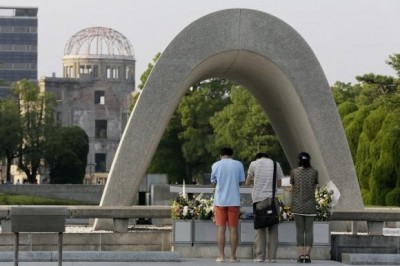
274, 63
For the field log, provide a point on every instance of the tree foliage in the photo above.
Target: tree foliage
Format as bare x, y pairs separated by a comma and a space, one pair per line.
244, 126
36, 109
10, 132
197, 135
371, 117
31, 139
146, 73
66, 155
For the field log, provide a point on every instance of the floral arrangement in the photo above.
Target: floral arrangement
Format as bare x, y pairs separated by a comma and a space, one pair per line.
204, 207
285, 211
182, 208
323, 201
198, 208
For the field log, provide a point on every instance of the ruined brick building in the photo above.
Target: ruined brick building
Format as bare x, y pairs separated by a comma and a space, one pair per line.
94, 92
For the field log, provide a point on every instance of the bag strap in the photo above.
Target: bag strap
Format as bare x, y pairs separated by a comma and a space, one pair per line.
274, 181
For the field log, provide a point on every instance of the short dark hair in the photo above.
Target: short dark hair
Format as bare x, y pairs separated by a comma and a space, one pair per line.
261, 155
304, 159
226, 151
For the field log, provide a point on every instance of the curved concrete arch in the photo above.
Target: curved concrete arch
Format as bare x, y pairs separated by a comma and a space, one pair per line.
274, 63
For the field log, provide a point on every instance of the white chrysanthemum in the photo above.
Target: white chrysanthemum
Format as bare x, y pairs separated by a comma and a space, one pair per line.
185, 211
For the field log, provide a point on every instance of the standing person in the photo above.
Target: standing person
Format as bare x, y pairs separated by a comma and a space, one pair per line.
227, 175
260, 175
304, 180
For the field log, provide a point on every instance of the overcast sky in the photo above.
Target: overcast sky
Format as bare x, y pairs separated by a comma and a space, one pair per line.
349, 37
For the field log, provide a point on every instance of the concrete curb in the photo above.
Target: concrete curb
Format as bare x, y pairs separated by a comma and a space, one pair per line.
103, 256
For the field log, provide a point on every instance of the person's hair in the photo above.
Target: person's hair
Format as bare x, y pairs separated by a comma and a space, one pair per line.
304, 159
226, 151
261, 155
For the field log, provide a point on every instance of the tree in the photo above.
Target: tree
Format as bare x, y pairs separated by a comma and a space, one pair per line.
370, 115
36, 111
197, 135
168, 157
394, 62
146, 73
66, 155
245, 127
10, 132
344, 92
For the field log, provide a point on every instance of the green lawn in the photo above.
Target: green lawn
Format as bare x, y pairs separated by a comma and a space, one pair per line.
10, 199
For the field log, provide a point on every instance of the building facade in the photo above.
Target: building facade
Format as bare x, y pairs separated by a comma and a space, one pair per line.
18, 45
94, 93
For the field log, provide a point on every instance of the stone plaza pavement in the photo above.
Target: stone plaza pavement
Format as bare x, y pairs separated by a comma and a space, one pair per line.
182, 262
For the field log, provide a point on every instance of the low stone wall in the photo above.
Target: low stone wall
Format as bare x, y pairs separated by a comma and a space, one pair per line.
153, 240
161, 240
89, 194
363, 244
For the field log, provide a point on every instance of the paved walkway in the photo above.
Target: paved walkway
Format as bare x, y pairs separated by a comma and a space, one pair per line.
183, 262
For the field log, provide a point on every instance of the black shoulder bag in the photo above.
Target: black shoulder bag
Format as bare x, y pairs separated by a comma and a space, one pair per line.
267, 216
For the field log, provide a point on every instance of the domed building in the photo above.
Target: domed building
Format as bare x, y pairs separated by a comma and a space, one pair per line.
99, 52
94, 92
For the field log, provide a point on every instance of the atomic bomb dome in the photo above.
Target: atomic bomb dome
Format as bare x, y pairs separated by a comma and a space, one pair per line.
99, 52
98, 41
94, 93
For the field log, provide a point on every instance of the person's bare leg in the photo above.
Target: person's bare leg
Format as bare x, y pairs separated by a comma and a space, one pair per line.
307, 254
300, 251
234, 242
308, 251
221, 242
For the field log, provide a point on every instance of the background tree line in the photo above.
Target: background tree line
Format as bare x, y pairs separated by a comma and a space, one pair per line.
370, 113
31, 138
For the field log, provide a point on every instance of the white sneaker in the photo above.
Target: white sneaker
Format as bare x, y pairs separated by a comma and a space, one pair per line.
258, 260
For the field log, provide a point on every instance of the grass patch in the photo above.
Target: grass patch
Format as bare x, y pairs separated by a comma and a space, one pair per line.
11, 199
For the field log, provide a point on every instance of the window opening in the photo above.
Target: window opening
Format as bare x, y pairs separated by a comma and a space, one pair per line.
100, 162
101, 129
99, 97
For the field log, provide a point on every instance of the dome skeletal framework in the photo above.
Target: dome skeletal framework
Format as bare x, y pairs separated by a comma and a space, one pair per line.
98, 41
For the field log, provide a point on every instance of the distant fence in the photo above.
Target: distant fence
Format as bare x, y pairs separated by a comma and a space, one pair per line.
90, 194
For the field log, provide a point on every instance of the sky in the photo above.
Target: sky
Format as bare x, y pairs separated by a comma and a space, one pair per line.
349, 37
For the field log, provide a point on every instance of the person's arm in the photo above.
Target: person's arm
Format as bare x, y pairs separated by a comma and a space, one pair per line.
213, 177
291, 181
249, 180
279, 175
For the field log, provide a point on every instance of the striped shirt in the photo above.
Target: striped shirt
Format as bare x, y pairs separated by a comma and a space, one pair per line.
262, 170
